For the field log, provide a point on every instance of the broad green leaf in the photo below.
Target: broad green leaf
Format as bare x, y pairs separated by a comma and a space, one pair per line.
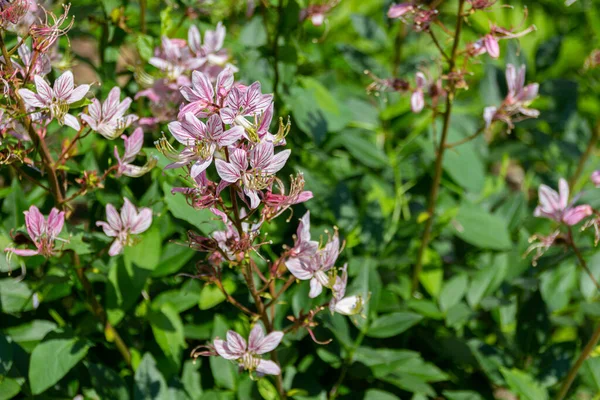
488, 278
149, 382
53, 358
107, 382
376, 394
557, 285
453, 291
590, 372
204, 220
30, 333
15, 296
462, 395
168, 332
174, 257
9, 388
191, 379
146, 253
267, 390
523, 385
224, 371
393, 324
211, 295
254, 33
482, 229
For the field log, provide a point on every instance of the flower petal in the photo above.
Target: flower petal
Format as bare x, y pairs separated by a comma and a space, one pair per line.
268, 367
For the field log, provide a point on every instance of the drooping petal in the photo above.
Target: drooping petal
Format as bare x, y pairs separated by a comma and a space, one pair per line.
108, 230
315, 288
22, 252
115, 248
142, 221
200, 166
351, 305
72, 121
268, 367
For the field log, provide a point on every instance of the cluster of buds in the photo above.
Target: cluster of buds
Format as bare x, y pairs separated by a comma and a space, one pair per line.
417, 16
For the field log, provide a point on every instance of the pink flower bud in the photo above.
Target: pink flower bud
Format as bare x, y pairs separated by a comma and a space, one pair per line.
398, 10
574, 215
491, 45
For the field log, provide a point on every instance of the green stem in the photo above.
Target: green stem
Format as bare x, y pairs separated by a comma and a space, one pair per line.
437, 176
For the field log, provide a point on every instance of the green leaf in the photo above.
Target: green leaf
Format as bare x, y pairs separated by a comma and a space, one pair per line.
368, 28
590, 372
181, 299
107, 382
6, 354
53, 358
462, 395
267, 390
191, 379
145, 46
29, 334
9, 388
376, 394
204, 220
488, 278
149, 382
523, 385
211, 295
126, 281
173, 258
361, 148
557, 285
146, 253
254, 33
15, 296
224, 371
393, 324
481, 229
168, 332
453, 291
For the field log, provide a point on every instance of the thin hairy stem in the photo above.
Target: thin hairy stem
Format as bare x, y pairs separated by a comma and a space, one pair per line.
437, 174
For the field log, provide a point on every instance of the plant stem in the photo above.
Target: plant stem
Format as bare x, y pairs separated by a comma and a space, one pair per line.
143, 16
465, 140
437, 177
584, 157
581, 260
38, 141
99, 311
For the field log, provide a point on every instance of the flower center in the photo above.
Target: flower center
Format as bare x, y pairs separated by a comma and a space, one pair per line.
257, 180
58, 110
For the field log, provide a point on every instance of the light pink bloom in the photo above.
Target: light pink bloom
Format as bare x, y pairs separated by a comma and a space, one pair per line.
276, 203
306, 262
596, 178
42, 232
174, 58
341, 304
109, 119
201, 141
398, 10
516, 103
212, 49
133, 146
263, 165
122, 227
245, 102
556, 206
42, 64
248, 354
57, 99
204, 99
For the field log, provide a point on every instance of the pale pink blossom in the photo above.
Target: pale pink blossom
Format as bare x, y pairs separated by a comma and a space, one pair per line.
174, 58
248, 354
212, 50
109, 119
46, 33
57, 99
43, 232
398, 10
595, 178
204, 98
201, 141
133, 146
123, 226
417, 99
555, 205
245, 102
263, 165
11, 11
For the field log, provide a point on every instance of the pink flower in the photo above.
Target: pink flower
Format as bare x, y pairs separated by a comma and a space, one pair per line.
341, 304
56, 99
41, 67
42, 232
122, 227
555, 205
201, 141
245, 102
109, 119
211, 51
133, 146
306, 262
263, 165
276, 203
398, 10
248, 354
516, 103
203, 97
174, 58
